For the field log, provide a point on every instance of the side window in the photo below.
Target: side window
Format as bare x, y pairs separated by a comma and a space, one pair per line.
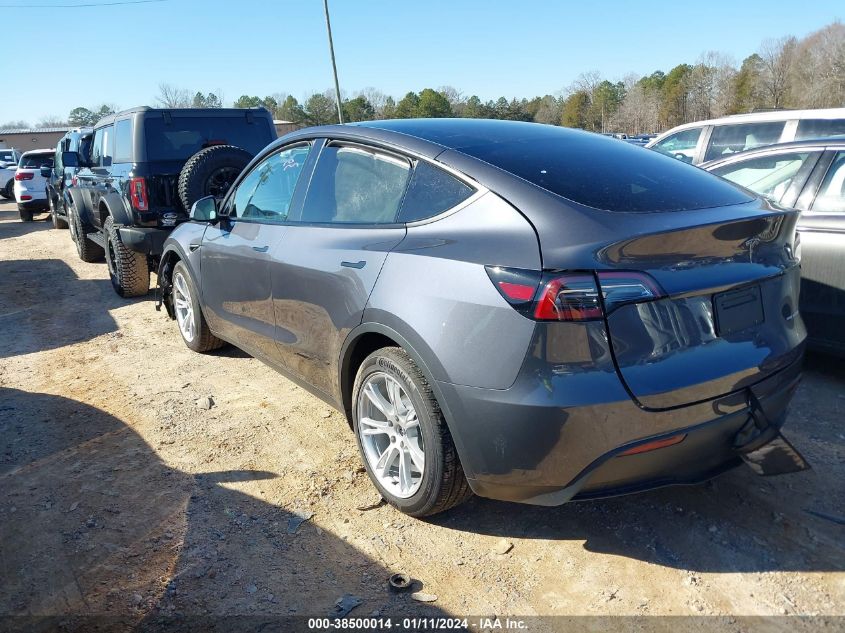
123, 141
431, 191
831, 196
97, 148
682, 143
266, 192
769, 176
730, 139
820, 128
353, 185
108, 145
57, 165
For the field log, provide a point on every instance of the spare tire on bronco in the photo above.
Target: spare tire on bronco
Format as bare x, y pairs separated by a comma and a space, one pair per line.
210, 172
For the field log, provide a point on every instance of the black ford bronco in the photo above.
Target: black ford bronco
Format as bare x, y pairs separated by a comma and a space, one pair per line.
145, 169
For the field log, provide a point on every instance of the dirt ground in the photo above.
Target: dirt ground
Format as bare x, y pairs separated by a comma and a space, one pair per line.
121, 494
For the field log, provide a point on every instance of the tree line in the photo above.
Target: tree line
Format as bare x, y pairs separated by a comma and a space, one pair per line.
783, 73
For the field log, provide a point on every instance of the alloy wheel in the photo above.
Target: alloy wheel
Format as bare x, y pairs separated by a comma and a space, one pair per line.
183, 307
390, 435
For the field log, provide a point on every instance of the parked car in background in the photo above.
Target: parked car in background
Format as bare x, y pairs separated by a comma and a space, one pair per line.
9, 156
146, 168
31, 183
808, 176
490, 320
709, 140
62, 177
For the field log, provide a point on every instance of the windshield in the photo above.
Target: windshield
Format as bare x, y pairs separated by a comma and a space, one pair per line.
183, 137
7, 155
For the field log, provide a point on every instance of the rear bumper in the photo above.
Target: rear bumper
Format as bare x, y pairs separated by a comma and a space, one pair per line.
149, 241
551, 438
38, 204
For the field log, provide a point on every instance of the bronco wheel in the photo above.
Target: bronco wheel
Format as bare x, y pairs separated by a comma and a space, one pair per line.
87, 250
192, 325
210, 172
404, 441
128, 269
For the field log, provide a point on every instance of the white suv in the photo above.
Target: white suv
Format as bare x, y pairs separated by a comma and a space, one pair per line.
708, 140
8, 164
31, 184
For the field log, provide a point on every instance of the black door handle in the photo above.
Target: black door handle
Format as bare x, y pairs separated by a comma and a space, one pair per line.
193, 246
359, 264
260, 249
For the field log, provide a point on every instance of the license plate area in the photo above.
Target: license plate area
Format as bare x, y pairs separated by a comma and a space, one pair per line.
738, 310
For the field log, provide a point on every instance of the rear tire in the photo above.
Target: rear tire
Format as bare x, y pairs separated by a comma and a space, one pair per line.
197, 336
442, 484
26, 214
129, 270
58, 223
8, 191
210, 172
87, 250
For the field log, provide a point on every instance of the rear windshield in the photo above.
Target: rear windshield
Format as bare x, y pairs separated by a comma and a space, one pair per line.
185, 136
608, 174
36, 161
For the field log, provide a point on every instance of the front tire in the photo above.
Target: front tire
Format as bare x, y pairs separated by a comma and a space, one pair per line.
87, 250
404, 442
26, 214
189, 317
128, 269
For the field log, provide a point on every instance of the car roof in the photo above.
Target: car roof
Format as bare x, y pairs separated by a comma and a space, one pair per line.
39, 151
758, 117
110, 118
836, 143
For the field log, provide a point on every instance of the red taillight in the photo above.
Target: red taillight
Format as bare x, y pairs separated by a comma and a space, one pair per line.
24, 175
653, 446
74, 181
26, 197
571, 296
138, 194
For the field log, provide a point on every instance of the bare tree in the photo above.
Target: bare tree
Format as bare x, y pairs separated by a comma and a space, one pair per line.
817, 78
52, 121
169, 96
778, 56
15, 125
376, 98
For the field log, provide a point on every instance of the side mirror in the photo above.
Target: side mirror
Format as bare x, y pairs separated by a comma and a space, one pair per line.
70, 159
204, 210
46, 172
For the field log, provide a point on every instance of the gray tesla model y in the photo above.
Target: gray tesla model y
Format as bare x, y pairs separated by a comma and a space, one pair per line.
526, 312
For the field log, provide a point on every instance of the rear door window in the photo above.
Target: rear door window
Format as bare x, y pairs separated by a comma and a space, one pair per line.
820, 128
733, 138
769, 176
431, 191
123, 141
831, 196
103, 147
356, 185
680, 145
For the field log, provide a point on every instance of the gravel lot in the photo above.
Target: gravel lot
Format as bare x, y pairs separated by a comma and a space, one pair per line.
122, 493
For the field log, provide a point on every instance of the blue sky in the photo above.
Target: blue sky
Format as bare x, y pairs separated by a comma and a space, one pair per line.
120, 54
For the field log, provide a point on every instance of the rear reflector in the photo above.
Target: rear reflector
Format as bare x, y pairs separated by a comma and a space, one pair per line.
24, 175
653, 446
26, 197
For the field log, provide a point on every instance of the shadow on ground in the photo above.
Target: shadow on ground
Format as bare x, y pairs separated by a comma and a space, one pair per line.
14, 227
92, 521
738, 522
47, 306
